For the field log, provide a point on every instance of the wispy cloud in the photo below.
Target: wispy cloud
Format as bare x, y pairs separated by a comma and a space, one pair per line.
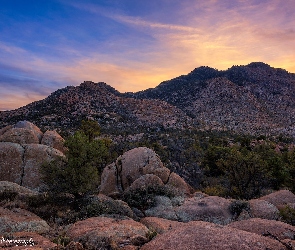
137, 49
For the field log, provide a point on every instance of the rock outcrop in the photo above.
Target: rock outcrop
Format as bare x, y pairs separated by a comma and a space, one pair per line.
204, 235
21, 153
108, 233
136, 168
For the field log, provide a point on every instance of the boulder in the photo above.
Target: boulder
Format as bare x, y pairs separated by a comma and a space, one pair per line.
19, 135
30, 126
279, 198
137, 162
145, 181
176, 181
35, 155
11, 162
54, 140
110, 184
265, 227
105, 233
20, 220
25, 241
212, 209
160, 225
263, 209
208, 236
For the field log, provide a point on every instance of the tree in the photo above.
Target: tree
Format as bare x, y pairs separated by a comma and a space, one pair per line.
79, 173
245, 172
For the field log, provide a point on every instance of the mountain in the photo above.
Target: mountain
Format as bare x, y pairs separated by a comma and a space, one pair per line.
255, 98
65, 108
251, 99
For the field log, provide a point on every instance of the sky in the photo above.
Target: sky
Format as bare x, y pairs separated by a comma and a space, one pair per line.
133, 45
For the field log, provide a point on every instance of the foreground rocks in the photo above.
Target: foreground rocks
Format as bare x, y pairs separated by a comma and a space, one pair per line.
21, 153
204, 235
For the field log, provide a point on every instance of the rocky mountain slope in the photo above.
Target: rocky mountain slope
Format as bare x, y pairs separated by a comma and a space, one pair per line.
255, 98
251, 99
66, 107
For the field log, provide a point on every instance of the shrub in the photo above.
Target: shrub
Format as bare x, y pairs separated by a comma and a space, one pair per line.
144, 198
287, 214
95, 206
79, 173
237, 206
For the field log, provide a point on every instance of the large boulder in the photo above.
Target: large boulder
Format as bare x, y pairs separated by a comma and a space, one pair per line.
137, 162
263, 209
208, 236
30, 126
270, 228
54, 140
20, 220
11, 162
35, 155
19, 135
212, 209
107, 233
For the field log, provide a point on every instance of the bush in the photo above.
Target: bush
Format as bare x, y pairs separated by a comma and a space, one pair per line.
96, 206
237, 207
287, 214
144, 198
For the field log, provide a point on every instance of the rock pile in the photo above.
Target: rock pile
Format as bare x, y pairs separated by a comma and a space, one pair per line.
136, 168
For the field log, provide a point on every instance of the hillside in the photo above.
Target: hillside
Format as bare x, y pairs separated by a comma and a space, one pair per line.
65, 108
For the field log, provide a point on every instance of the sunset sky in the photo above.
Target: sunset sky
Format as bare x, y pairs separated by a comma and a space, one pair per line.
134, 44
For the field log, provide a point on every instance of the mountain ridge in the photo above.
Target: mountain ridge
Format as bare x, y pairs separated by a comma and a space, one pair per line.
251, 99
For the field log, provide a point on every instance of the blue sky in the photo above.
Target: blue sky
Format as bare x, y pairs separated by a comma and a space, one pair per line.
134, 44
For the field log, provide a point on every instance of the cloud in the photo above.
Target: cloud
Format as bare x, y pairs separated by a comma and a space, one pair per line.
132, 51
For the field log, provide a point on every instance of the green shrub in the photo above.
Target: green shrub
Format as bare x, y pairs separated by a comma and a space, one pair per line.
94, 206
287, 214
237, 206
144, 198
